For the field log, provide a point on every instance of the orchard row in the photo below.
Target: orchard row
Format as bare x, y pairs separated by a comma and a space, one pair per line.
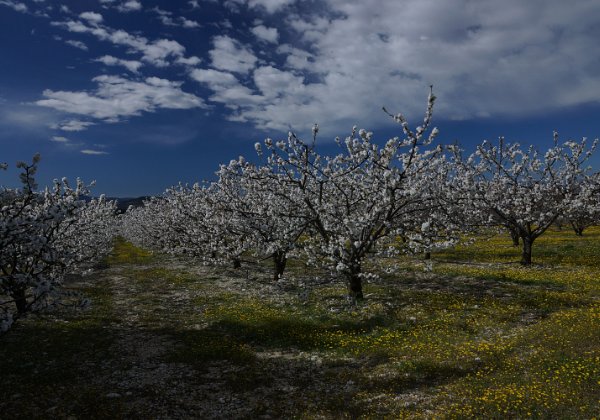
367, 202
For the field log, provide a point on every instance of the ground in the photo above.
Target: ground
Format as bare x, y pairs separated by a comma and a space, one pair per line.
471, 334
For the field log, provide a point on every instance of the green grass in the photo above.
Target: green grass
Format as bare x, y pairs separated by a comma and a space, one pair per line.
126, 253
478, 337
46, 363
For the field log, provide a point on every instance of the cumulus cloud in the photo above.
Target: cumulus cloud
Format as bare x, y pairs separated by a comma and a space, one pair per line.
338, 61
25, 116
91, 17
129, 6
76, 44
59, 139
72, 125
214, 78
189, 61
93, 152
227, 90
269, 6
15, 5
117, 98
295, 58
229, 54
159, 53
274, 88
266, 34
167, 19
190, 24
131, 65
343, 61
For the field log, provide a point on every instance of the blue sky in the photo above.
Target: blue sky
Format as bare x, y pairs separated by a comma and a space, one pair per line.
141, 94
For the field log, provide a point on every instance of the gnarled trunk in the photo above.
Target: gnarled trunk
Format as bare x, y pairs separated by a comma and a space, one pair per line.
20, 301
578, 228
279, 263
526, 251
355, 281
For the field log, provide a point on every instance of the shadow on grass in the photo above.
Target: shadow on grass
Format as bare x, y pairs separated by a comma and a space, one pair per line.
48, 370
530, 294
268, 361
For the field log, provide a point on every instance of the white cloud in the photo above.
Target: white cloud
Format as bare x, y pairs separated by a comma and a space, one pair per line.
158, 53
229, 54
295, 58
164, 16
59, 139
228, 91
129, 6
189, 24
350, 57
15, 5
273, 82
270, 6
214, 78
167, 19
117, 98
76, 44
266, 34
93, 152
276, 88
189, 61
131, 65
25, 118
91, 17
340, 60
73, 125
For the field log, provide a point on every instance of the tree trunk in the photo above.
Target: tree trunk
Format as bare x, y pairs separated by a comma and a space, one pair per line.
514, 235
20, 301
279, 262
427, 255
354, 281
577, 228
526, 253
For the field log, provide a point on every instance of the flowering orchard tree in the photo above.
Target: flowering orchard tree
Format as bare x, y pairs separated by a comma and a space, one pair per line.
263, 209
585, 209
358, 202
43, 236
142, 225
520, 189
186, 220
242, 212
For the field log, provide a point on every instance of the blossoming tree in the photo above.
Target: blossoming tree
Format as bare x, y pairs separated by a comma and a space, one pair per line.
521, 189
43, 236
358, 202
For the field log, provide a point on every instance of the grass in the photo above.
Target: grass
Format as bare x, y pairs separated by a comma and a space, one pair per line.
478, 337
45, 363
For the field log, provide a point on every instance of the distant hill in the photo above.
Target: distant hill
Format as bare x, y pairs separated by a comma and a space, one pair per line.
123, 203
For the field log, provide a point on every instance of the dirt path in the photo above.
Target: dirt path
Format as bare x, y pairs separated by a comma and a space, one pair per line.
156, 323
